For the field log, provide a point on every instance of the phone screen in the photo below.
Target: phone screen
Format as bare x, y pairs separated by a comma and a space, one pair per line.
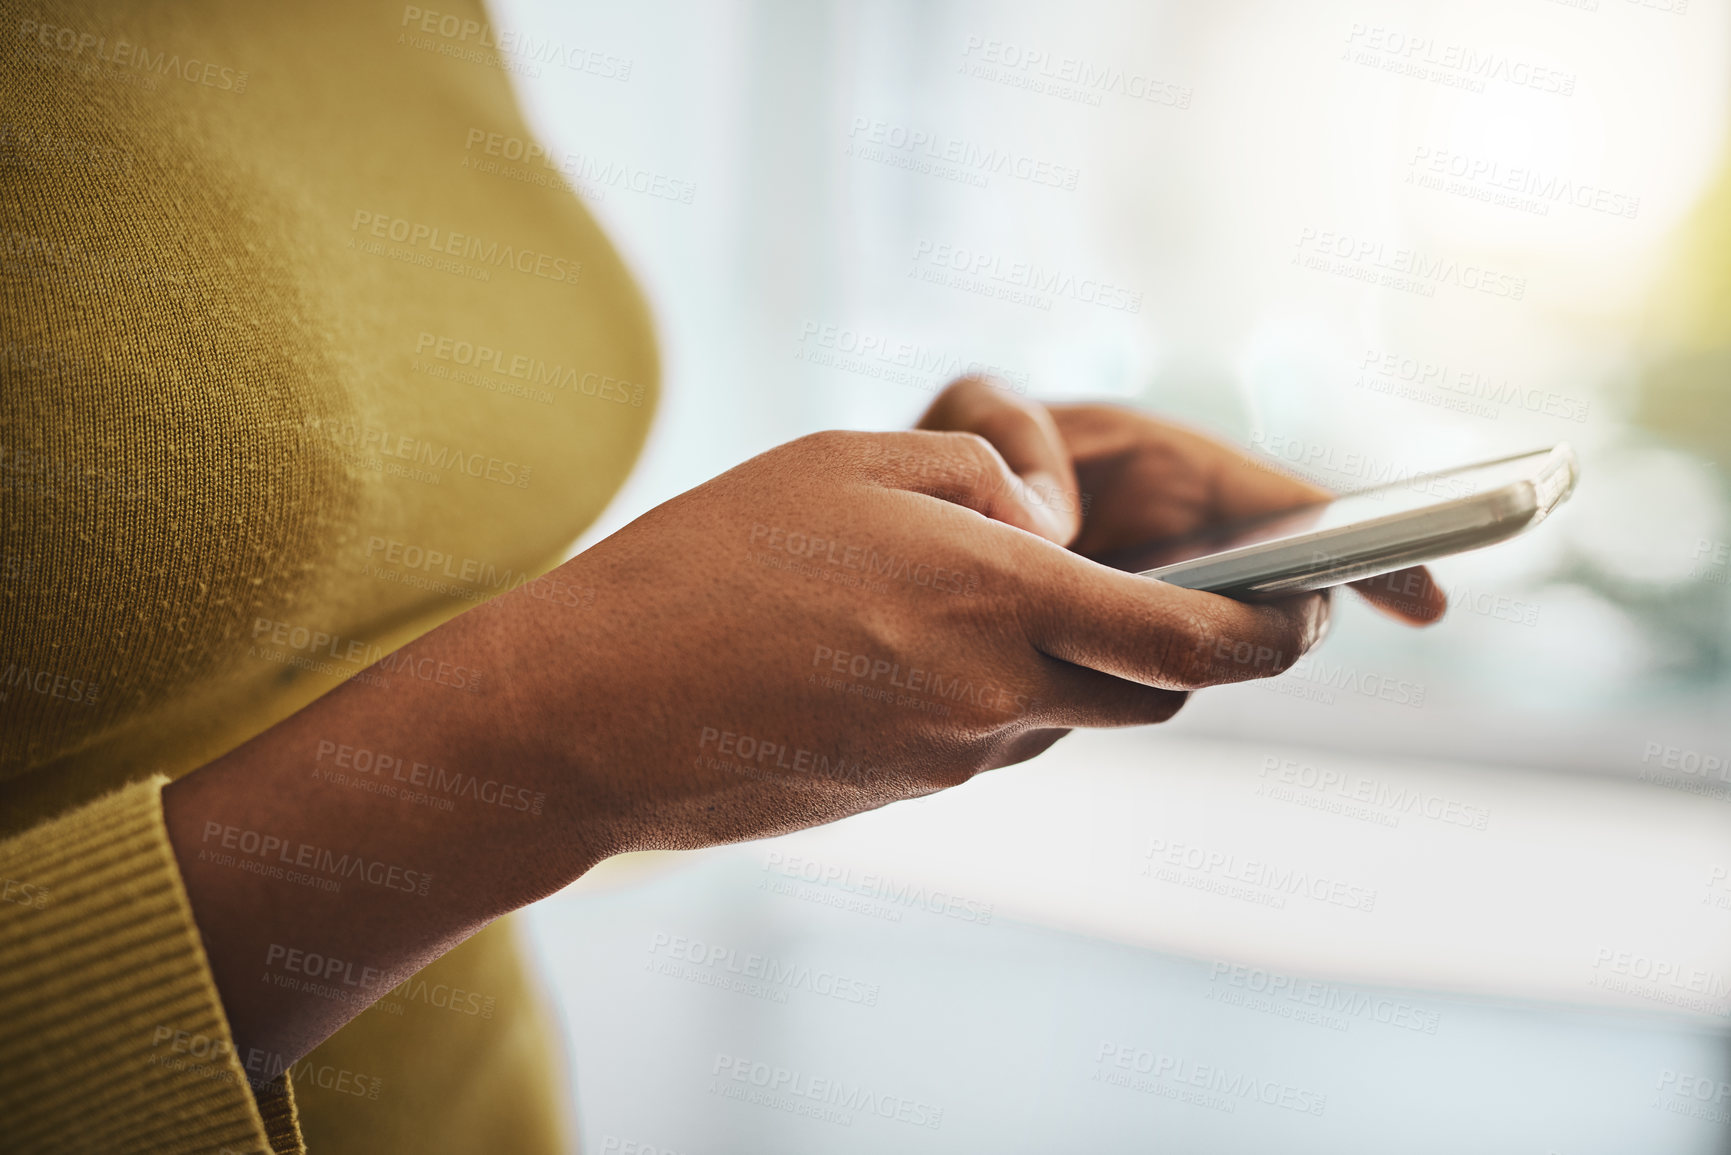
1421, 491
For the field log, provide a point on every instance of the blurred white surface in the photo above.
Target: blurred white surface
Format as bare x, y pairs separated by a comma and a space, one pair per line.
1366, 239
1477, 880
1541, 966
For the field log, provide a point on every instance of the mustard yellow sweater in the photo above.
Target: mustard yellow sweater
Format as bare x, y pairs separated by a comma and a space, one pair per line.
296, 364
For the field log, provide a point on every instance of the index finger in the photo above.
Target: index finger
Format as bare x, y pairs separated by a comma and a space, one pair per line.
1236, 485
1024, 433
1242, 486
1410, 595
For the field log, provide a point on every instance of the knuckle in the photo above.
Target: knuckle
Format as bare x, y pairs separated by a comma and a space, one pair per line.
970, 444
1183, 661
969, 463
951, 395
828, 441
824, 446
1004, 422
963, 388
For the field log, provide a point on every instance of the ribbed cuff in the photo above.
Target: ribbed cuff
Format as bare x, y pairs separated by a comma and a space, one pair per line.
112, 1034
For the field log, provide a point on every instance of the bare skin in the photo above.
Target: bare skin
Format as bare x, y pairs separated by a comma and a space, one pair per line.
847, 620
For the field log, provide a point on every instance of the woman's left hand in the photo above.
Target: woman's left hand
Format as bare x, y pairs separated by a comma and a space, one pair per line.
1103, 478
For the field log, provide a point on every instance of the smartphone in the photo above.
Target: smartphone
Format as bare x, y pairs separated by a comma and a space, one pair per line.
1367, 532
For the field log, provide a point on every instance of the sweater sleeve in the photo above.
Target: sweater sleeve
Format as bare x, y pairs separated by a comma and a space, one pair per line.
112, 1034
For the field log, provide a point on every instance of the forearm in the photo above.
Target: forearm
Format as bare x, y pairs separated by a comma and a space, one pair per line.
340, 851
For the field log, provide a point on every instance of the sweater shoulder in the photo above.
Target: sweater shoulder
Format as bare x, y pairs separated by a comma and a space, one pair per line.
278, 363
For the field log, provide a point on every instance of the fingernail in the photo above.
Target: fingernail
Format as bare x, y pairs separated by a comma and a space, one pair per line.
1052, 525
1322, 618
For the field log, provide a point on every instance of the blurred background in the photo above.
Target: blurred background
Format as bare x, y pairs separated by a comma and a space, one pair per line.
1368, 240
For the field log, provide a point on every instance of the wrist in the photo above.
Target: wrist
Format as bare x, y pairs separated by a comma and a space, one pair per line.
381, 826
521, 755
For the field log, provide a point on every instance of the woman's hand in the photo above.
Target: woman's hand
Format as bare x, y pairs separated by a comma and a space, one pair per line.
1111, 478
844, 621
847, 620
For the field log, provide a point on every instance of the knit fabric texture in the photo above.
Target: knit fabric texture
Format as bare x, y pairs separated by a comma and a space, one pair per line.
293, 367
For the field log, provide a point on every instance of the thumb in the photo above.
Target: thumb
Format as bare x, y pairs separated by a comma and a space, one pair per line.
1027, 438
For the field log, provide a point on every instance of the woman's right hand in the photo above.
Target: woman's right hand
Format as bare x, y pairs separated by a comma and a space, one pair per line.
844, 621
847, 620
